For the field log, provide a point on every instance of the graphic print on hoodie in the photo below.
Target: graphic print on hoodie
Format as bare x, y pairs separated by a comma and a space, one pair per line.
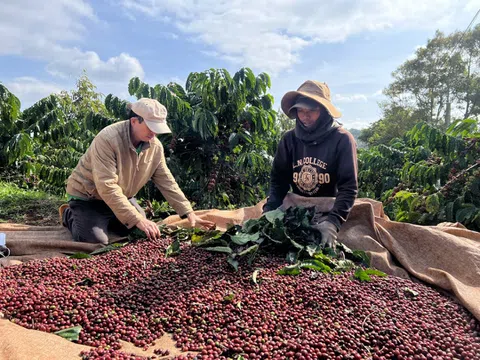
319, 162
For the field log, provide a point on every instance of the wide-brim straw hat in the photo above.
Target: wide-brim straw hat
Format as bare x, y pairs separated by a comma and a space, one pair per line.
314, 90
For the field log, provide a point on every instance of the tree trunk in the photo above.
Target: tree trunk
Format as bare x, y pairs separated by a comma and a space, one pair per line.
467, 93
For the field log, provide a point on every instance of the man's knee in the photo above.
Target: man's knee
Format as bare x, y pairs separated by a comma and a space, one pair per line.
94, 235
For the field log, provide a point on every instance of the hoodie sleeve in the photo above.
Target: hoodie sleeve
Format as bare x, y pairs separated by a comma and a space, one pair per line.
280, 177
347, 184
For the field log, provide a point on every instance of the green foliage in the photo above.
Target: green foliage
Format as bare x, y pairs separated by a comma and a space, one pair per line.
224, 135
108, 248
52, 135
71, 334
25, 205
438, 78
10, 124
428, 176
364, 275
285, 233
173, 249
441, 82
395, 122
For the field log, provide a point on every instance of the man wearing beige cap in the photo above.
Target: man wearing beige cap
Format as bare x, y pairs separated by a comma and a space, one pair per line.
316, 159
122, 158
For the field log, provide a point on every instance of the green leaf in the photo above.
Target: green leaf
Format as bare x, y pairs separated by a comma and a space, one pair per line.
221, 249
229, 297
432, 203
289, 270
466, 213
362, 275
267, 101
197, 238
136, 234
80, 255
275, 232
233, 140
345, 265
208, 238
330, 252
313, 249
251, 225
316, 265
292, 256
205, 123
70, 334
108, 248
295, 244
273, 215
233, 263
242, 239
254, 276
324, 259
360, 255
375, 272
250, 250
344, 248
173, 249
449, 212
410, 292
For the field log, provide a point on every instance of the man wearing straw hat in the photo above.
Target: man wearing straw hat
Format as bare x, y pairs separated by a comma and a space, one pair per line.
317, 158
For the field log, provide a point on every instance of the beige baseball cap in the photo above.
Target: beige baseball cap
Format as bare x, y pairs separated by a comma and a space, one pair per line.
154, 114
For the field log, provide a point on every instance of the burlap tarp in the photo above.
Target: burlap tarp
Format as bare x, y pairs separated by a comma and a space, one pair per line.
18, 343
446, 256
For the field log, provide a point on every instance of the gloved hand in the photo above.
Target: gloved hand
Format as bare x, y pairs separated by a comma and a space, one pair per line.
329, 234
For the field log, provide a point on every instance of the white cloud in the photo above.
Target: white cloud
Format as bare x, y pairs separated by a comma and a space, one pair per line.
349, 98
70, 62
270, 35
472, 6
31, 29
28, 28
30, 89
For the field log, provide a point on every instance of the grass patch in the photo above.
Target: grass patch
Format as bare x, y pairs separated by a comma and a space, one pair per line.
26, 206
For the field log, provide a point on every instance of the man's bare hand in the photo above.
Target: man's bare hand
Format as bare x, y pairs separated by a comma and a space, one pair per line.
149, 228
196, 221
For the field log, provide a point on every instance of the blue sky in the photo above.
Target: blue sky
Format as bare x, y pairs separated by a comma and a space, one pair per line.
352, 45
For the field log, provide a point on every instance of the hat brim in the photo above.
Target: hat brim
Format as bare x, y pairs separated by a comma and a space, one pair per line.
304, 105
158, 127
288, 101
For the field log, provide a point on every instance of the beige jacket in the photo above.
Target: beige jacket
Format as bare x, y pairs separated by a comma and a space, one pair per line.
112, 171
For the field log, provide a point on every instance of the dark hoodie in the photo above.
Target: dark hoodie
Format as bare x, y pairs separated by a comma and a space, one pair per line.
320, 161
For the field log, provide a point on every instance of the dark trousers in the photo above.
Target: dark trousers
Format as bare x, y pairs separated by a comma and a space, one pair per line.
91, 221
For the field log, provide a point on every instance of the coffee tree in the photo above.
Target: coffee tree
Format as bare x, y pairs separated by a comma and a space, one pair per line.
428, 176
46, 141
11, 144
224, 134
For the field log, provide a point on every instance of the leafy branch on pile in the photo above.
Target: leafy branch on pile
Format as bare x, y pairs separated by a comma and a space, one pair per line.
280, 232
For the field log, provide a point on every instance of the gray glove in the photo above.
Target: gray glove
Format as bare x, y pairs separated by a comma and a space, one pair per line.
329, 234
